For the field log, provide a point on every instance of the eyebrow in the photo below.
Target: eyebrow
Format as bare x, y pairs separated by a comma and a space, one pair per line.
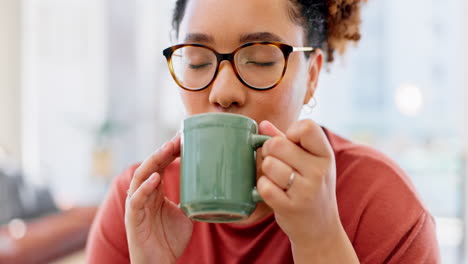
198, 37
260, 36
257, 36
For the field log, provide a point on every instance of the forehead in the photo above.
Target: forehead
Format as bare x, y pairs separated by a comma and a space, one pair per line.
226, 21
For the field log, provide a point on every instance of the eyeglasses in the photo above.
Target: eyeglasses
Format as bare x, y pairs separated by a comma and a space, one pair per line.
258, 65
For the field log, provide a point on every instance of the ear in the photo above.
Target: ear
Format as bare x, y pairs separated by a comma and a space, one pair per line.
313, 70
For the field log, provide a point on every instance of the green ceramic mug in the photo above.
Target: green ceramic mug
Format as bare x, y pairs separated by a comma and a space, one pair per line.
218, 168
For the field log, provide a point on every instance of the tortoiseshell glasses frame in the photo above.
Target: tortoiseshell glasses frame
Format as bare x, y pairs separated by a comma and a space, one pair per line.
284, 48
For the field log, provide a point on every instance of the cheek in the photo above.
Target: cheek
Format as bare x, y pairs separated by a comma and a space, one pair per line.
194, 102
281, 105
292, 90
298, 80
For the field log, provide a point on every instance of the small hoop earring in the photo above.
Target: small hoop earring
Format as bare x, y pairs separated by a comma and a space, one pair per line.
309, 107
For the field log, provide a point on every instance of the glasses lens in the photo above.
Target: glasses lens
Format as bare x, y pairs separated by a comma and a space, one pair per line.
193, 67
261, 66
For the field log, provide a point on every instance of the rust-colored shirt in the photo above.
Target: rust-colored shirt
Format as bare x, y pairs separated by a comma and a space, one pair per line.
379, 209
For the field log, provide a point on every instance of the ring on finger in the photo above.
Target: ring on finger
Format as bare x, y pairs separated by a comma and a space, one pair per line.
292, 176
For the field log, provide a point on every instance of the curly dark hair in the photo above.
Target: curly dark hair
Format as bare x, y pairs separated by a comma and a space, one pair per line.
329, 24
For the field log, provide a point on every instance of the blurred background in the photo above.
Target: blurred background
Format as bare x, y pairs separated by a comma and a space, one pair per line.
85, 92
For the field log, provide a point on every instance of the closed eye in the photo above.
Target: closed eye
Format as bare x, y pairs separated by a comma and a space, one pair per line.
261, 64
198, 66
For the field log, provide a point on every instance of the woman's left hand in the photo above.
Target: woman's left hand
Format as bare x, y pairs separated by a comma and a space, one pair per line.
299, 184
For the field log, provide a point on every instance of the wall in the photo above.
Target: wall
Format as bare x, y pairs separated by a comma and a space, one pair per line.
64, 94
10, 132
465, 114
88, 63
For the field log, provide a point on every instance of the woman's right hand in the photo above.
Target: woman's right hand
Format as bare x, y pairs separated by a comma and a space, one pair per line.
157, 230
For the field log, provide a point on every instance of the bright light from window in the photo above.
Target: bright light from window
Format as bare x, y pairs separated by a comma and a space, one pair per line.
409, 100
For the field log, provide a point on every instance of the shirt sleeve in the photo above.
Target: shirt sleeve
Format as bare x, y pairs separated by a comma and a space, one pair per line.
419, 245
381, 211
107, 241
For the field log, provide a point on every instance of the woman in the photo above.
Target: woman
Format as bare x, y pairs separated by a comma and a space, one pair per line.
327, 200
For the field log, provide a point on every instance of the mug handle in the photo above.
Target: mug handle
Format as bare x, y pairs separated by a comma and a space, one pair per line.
257, 141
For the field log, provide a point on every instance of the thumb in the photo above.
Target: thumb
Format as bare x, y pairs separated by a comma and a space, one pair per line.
268, 129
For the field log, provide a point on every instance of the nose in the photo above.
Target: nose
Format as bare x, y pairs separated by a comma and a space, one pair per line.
226, 90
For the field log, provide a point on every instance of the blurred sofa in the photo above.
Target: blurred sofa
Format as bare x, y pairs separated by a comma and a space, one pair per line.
32, 229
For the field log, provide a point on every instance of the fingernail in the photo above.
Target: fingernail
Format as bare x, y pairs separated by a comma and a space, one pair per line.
153, 177
266, 122
261, 182
164, 147
176, 135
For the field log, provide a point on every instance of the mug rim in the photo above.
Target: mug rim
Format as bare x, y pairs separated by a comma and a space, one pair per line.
199, 119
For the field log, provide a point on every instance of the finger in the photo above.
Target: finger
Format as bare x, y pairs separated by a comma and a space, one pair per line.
288, 152
268, 129
175, 207
156, 162
299, 187
273, 195
277, 171
311, 137
138, 200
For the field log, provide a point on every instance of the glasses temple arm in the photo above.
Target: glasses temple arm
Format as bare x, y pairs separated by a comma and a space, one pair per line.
303, 49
